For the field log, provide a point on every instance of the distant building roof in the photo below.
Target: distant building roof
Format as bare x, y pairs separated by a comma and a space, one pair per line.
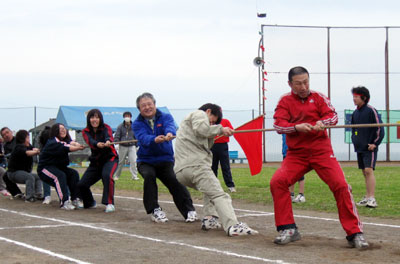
41, 127
74, 117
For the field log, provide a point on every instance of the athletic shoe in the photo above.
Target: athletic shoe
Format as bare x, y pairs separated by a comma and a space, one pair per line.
299, 199
109, 208
363, 201
20, 196
5, 192
47, 200
191, 217
159, 216
67, 206
135, 178
30, 200
241, 229
77, 203
115, 178
372, 203
287, 235
210, 223
359, 241
232, 189
39, 197
94, 205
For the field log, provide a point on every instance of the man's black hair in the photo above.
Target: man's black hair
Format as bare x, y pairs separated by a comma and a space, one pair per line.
297, 71
215, 110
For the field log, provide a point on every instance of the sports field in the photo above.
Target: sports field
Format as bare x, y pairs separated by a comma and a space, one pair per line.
36, 233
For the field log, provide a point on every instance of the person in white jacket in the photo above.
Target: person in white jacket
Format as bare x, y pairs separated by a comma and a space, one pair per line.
193, 159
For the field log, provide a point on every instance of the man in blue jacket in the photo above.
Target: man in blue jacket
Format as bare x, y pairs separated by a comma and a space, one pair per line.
154, 131
366, 141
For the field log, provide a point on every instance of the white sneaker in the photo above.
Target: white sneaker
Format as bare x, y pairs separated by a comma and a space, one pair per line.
115, 178
109, 208
5, 192
299, 199
359, 242
68, 206
372, 203
241, 229
77, 203
232, 189
159, 216
135, 178
47, 200
210, 223
191, 217
363, 201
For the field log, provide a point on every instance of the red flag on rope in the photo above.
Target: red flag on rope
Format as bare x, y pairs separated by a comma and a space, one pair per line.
251, 143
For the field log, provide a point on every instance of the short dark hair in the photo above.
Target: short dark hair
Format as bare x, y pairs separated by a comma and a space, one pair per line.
55, 132
215, 110
92, 113
297, 71
363, 92
44, 136
127, 113
144, 95
21, 136
4, 128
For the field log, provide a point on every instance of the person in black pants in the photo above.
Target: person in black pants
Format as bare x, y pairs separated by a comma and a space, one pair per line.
9, 145
154, 131
53, 165
103, 161
220, 152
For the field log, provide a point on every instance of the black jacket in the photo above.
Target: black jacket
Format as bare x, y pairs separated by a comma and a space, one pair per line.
361, 137
100, 155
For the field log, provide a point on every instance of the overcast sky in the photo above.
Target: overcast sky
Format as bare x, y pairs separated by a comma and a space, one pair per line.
107, 52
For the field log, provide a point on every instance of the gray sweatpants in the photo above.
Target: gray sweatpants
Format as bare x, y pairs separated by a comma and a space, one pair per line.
216, 201
2, 183
123, 152
33, 184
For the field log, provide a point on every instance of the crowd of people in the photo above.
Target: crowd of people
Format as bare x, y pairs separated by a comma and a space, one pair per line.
300, 116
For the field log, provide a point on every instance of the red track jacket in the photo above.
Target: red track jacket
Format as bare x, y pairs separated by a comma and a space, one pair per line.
292, 110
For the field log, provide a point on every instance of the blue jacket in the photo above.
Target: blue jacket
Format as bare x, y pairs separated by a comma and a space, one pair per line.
149, 151
361, 137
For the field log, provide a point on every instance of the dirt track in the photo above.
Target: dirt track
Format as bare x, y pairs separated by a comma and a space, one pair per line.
128, 236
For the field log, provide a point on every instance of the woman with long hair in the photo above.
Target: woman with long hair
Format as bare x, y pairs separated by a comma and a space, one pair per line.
53, 165
103, 161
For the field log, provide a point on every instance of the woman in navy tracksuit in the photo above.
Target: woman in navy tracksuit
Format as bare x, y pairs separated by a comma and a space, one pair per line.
53, 166
103, 161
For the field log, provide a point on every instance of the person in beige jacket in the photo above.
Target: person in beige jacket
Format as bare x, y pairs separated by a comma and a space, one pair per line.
193, 159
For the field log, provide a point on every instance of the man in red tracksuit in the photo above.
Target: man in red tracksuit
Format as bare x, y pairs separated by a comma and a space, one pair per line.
301, 115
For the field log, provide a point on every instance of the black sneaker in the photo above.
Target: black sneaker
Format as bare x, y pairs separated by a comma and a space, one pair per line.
30, 200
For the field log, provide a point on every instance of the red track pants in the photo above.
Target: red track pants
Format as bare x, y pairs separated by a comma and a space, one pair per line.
328, 169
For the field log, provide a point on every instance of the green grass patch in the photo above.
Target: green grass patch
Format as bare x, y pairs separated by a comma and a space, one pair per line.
255, 189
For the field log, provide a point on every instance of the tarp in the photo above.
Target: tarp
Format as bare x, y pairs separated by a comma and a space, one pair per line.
74, 117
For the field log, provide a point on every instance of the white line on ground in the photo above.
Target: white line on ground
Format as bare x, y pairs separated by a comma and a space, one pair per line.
31, 227
45, 251
223, 252
263, 213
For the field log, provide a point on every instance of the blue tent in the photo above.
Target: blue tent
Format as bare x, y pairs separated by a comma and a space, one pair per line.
74, 117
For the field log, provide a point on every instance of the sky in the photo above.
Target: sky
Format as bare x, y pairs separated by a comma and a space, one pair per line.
187, 53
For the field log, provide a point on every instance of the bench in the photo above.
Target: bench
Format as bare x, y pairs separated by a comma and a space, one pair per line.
234, 156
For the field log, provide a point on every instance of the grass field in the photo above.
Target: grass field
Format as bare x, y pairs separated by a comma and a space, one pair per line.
255, 189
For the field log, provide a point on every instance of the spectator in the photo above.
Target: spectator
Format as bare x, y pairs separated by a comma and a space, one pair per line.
220, 151
366, 141
124, 133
